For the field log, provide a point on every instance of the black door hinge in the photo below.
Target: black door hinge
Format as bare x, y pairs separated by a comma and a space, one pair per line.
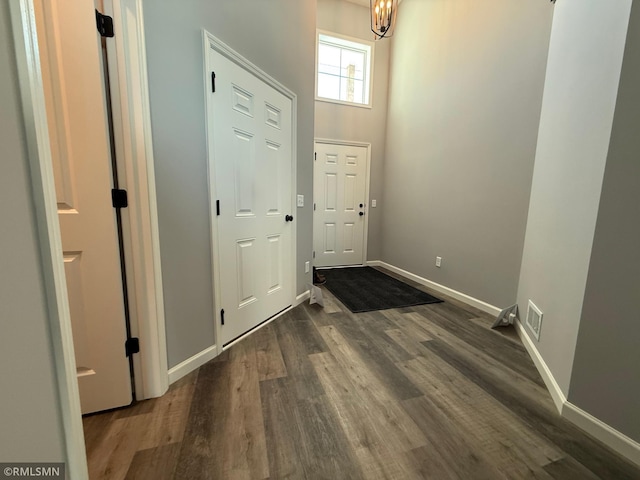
131, 346
119, 198
314, 254
104, 24
213, 82
218, 208
222, 316
315, 155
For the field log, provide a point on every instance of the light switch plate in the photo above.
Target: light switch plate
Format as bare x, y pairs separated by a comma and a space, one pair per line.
301, 200
374, 203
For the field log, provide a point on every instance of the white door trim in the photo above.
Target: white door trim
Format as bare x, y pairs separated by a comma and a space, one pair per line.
50, 242
146, 277
210, 41
134, 153
367, 174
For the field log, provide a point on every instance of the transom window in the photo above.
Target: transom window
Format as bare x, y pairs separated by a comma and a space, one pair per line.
343, 70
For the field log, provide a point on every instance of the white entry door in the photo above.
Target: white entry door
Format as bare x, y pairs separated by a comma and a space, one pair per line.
250, 135
339, 196
70, 54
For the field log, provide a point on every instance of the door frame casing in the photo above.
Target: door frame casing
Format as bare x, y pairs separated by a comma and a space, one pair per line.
143, 240
209, 41
367, 176
134, 156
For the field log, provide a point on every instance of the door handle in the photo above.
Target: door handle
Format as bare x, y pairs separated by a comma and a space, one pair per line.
288, 218
361, 214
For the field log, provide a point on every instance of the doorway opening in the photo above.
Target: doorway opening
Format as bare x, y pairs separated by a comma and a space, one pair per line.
134, 145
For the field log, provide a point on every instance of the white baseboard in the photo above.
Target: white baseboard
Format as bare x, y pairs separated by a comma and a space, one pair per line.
301, 298
469, 300
614, 439
558, 397
619, 442
191, 363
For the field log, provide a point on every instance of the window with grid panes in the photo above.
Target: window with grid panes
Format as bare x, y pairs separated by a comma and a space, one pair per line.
343, 70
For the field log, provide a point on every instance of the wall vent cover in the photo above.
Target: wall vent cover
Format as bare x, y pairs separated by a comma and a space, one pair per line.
534, 319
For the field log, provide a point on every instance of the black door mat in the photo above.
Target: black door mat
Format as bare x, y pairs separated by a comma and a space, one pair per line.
365, 289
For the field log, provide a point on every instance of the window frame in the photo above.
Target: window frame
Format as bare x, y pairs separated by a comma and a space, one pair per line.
368, 76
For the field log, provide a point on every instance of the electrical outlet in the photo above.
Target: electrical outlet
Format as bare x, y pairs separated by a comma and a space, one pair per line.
438, 262
374, 203
300, 200
306, 267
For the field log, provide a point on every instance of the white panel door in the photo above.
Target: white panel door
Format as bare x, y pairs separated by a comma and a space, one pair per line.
250, 131
339, 189
70, 52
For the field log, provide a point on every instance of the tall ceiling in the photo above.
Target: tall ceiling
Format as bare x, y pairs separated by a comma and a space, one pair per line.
364, 3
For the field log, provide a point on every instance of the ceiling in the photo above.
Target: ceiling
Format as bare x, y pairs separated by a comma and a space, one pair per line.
364, 3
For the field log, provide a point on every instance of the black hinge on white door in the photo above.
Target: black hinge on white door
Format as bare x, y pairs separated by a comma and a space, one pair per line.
119, 198
314, 254
218, 208
222, 316
104, 24
131, 346
213, 82
315, 155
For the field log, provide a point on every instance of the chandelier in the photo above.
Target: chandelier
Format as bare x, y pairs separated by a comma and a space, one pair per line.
383, 17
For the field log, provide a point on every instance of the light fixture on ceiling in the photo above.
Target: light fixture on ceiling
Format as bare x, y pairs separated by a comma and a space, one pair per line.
383, 17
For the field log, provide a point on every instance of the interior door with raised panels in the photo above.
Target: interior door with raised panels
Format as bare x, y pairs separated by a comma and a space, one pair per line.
339, 189
70, 53
251, 134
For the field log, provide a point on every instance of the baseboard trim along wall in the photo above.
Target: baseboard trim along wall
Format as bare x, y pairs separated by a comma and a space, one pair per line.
302, 297
558, 397
619, 442
469, 300
191, 363
625, 446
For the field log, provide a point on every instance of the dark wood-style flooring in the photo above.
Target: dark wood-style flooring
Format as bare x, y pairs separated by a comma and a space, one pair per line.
422, 392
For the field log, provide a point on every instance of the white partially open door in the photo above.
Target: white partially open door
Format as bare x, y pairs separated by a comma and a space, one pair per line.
70, 54
250, 138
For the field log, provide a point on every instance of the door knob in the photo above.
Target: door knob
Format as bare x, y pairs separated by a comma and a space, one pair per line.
361, 214
288, 218
361, 205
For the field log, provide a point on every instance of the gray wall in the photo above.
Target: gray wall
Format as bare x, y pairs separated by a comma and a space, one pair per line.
341, 122
464, 105
30, 416
585, 58
605, 379
279, 37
